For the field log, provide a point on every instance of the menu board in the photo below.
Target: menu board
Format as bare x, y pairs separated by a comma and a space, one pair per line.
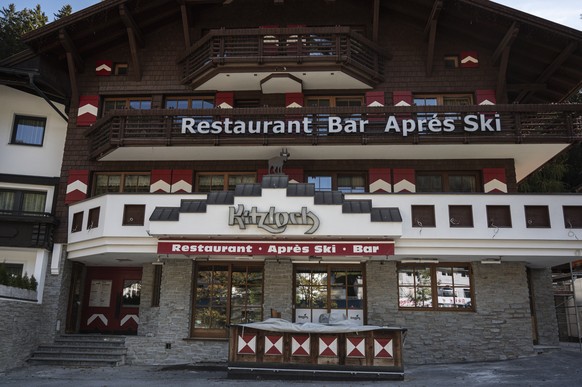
100, 295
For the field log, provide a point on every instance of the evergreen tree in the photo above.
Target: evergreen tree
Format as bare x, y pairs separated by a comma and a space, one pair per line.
66, 10
13, 24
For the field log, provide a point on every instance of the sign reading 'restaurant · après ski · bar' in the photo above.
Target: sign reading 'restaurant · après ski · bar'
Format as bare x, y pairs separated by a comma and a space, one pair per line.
331, 124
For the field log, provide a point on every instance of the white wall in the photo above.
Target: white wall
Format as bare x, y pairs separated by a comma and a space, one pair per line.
30, 160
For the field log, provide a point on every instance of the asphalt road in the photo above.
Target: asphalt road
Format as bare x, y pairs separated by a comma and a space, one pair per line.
554, 368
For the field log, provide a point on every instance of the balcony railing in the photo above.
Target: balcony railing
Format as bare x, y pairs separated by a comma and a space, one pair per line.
325, 47
533, 124
27, 229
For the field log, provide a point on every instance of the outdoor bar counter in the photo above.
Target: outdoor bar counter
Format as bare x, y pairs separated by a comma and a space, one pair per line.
278, 348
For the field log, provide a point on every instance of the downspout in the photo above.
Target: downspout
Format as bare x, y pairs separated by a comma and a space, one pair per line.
45, 97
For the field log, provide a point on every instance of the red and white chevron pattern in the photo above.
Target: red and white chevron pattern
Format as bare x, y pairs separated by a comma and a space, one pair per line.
247, 344
88, 108
274, 345
355, 347
103, 67
77, 183
383, 348
300, 345
469, 59
327, 346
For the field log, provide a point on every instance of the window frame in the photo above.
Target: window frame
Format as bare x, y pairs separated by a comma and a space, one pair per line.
434, 285
18, 201
122, 178
441, 98
127, 103
445, 180
225, 175
329, 268
221, 333
190, 99
334, 180
16, 125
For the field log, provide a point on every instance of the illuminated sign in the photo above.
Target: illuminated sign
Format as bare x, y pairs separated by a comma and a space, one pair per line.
277, 248
394, 125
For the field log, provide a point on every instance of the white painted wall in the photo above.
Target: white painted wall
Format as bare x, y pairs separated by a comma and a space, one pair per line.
24, 159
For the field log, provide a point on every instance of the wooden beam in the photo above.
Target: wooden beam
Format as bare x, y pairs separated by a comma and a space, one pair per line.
434, 16
70, 48
506, 42
130, 23
501, 93
375, 20
430, 32
185, 25
551, 69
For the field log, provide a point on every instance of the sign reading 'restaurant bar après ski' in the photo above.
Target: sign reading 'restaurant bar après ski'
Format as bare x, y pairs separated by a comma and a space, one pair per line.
277, 248
394, 125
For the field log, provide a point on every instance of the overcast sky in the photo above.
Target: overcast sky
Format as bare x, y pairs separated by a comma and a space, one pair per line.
566, 12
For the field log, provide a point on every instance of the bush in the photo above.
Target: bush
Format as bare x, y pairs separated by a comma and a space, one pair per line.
17, 281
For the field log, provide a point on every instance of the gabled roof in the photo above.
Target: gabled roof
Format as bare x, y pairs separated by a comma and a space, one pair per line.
542, 61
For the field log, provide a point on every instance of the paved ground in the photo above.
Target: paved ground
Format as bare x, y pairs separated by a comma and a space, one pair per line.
555, 368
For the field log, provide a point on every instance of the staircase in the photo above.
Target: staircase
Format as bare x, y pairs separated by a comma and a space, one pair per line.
82, 350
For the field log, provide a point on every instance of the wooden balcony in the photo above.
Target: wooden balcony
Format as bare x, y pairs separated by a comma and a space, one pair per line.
27, 229
518, 124
293, 51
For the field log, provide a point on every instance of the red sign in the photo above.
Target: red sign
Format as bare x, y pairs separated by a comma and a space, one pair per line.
276, 248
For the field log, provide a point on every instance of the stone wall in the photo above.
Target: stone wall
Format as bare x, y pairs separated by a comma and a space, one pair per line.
500, 327
545, 307
278, 288
164, 331
19, 322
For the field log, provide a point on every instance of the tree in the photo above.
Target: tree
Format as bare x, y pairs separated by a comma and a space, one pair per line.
66, 10
13, 24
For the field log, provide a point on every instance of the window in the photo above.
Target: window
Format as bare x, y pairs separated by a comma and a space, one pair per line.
460, 216
320, 121
133, 214
226, 294
323, 289
13, 269
93, 219
451, 61
537, 217
498, 216
435, 286
448, 181
126, 103
28, 130
121, 182
572, 216
192, 102
120, 68
208, 182
343, 182
423, 216
22, 201
77, 222
131, 293
442, 100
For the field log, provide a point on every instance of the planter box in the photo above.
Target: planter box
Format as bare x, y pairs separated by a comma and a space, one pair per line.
17, 293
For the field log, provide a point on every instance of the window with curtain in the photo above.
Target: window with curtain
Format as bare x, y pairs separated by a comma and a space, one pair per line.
121, 182
208, 182
465, 181
22, 201
28, 130
343, 182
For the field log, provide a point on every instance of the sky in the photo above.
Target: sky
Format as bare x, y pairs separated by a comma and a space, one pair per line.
566, 12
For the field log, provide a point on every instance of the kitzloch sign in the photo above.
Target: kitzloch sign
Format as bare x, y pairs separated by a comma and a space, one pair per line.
277, 248
394, 125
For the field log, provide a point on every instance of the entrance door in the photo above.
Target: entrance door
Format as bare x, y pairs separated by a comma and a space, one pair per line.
111, 300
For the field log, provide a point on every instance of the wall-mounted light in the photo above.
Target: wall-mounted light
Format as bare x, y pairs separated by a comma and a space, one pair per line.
491, 261
158, 262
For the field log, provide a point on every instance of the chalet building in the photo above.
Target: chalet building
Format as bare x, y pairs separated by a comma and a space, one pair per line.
231, 161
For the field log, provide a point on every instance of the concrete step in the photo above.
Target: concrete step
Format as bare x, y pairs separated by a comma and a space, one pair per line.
82, 350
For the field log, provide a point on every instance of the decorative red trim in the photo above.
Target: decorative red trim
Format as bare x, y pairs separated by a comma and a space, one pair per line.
88, 108
77, 185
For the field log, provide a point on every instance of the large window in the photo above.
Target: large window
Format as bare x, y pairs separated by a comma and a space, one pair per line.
208, 182
343, 182
192, 102
22, 201
324, 289
448, 182
226, 294
435, 286
442, 100
121, 182
126, 103
28, 130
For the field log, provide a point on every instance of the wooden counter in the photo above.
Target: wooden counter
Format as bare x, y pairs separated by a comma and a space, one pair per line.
370, 353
